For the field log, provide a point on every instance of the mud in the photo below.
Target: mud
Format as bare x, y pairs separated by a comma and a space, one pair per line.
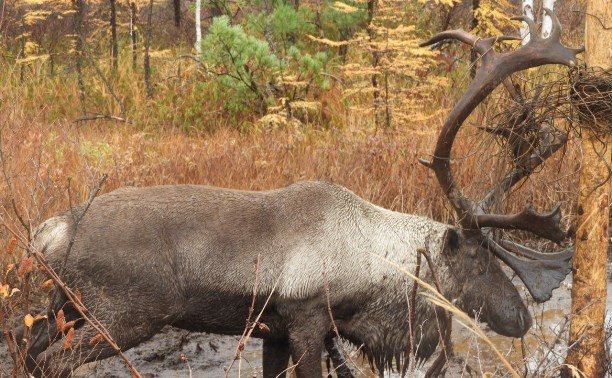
178, 353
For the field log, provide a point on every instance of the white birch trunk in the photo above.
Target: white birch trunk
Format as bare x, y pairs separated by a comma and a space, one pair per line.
546, 21
198, 26
528, 12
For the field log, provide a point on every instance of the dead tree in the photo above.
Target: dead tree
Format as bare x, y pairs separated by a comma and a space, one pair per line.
113, 26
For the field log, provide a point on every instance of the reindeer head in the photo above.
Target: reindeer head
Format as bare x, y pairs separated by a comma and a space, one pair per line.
541, 273
479, 286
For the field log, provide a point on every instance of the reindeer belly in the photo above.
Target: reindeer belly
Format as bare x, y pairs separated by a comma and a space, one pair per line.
228, 315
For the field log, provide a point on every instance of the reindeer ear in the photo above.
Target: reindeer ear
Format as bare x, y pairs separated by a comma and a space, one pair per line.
451, 241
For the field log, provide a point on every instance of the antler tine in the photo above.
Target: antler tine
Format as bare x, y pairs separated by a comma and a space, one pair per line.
540, 277
479, 44
555, 32
426, 163
521, 250
533, 31
546, 225
460, 35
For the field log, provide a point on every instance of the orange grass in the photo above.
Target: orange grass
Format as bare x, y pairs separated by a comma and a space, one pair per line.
381, 167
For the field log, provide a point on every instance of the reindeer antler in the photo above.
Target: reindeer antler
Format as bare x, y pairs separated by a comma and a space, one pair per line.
541, 276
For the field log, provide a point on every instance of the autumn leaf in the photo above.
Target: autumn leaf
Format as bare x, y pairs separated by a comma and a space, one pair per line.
68, 325
60, 321
96, 339
28, 320
9, 267
68, 339
47, 284
10, 246
25, 266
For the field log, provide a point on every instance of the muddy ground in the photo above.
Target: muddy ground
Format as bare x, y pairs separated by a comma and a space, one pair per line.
178, 353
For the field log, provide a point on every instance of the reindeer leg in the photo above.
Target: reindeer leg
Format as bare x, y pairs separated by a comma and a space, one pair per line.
275, 358
307, 323
338, 360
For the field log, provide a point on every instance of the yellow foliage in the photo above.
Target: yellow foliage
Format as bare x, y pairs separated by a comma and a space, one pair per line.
306, 105
344, 8
31, 48
448, 3
161, 54
326, 41
493, 18
292, 82
34, 16
395, 76
277, 120
32, 58
28, 320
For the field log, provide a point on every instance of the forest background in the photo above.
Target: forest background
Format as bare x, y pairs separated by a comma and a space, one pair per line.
281, 92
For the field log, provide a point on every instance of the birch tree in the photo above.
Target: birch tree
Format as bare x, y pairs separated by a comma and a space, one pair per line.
198, 27
546, 21
527, 8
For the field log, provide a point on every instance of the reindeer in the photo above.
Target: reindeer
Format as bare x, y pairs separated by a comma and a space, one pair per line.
184, 255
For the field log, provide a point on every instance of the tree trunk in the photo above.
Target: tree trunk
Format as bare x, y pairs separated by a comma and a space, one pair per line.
546, 21
177, 13
589, 266
78, 6
473, 54
113, 25
147, 64
133, 36
22, 52
527, 12
375, 60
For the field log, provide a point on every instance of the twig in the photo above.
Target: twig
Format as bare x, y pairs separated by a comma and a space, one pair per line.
72, 297
101, 75
77, 219
603, 26
187, 56
435, 367
411, 316
94, 117
186, 361
250, 326
80, 307
9, 183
